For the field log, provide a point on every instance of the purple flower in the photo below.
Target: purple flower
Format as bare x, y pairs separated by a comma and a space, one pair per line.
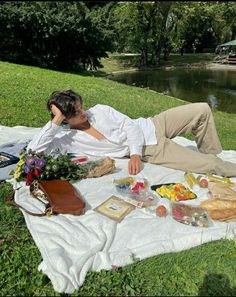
26, 169
30, 161
40, 163
41, 154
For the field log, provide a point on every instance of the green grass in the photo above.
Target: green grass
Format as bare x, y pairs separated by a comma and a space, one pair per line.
207, 270
123, 62
189, 59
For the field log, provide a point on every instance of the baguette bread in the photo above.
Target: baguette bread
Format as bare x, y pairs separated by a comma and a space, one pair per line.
223, 214
218, 204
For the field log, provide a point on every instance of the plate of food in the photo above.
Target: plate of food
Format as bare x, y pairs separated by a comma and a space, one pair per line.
174, 191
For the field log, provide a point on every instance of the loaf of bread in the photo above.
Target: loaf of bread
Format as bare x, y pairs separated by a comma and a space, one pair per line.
223, 214
218, 204
222, 191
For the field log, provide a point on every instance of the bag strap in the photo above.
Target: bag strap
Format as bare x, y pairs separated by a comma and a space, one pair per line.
10, 201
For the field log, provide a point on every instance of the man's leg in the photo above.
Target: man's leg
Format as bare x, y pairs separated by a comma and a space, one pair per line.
170, 154
196, 118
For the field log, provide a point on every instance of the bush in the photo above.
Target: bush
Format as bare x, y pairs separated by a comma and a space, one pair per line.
56, 35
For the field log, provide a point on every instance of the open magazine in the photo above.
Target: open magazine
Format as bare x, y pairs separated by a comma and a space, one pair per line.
7, 159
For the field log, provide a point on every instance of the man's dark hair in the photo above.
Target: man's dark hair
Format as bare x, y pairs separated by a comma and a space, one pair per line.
65, 101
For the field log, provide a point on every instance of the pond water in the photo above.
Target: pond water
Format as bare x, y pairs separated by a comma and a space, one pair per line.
215, 86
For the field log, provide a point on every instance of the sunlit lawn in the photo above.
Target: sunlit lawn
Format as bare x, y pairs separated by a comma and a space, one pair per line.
205, 270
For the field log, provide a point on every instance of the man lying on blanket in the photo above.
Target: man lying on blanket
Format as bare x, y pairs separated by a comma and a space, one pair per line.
104, 131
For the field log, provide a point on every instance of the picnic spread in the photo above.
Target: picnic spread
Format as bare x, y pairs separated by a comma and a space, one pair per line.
158, 211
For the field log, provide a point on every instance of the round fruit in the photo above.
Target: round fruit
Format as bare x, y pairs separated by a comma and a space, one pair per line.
48, 168
161, 211
203, 183
55, 167
42, 176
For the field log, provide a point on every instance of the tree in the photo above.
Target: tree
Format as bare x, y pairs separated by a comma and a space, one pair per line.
162, 26
224, 22
142, 27
202, 24
58, 35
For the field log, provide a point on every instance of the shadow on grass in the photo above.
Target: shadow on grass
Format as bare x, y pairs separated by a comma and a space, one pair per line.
216, 285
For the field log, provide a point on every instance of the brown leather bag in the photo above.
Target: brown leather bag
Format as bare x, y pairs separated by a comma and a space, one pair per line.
59, 197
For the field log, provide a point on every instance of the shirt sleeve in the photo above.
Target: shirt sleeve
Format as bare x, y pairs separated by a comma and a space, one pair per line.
45, 140
135, 137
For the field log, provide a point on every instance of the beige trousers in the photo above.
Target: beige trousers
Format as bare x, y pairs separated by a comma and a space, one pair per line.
198, 119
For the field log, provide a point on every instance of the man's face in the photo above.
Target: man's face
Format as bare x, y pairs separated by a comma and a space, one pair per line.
79, 118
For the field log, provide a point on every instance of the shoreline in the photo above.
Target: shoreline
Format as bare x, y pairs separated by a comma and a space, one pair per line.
221, 66
210, 65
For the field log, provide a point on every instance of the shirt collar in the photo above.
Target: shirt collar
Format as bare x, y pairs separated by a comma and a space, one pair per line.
91, 119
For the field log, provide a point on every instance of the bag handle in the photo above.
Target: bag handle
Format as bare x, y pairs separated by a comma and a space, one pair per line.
10, 201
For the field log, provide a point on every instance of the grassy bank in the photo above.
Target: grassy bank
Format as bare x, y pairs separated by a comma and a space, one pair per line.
125, 62
205, 270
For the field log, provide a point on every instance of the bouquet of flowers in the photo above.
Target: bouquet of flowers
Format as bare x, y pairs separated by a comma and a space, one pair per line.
41, 166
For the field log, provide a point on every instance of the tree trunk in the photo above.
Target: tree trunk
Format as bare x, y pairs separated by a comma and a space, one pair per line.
164, 8
144, 57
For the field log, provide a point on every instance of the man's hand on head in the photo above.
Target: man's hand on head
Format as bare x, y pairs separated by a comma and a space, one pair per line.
134, 165
58, 116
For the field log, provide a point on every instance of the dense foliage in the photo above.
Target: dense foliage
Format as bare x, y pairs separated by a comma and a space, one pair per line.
76, 35
200, 26
60, 35
161, 27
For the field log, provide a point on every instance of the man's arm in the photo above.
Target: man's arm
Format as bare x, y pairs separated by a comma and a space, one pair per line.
135, 139
44, 141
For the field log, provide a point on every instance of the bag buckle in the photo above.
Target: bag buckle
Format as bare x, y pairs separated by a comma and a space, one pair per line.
49, 211
36, 192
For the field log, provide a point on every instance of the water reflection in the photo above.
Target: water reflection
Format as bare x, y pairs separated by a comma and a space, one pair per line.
217, 87
212, 101
211, 80
231, 92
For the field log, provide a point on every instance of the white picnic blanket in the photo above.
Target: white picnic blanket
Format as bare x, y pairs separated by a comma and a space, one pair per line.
73, 245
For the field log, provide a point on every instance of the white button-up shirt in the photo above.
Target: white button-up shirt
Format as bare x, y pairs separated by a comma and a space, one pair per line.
123, 136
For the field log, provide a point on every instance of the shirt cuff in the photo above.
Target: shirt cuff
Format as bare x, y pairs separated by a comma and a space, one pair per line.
135, 150
53, 125
50, 129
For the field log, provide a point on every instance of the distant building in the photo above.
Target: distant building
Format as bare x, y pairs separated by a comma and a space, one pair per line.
228, 50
